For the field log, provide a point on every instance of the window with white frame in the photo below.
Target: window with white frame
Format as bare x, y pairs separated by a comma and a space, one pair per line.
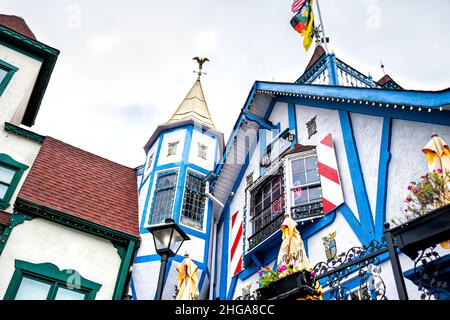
164, 196
305, 188
193, 210
360, 294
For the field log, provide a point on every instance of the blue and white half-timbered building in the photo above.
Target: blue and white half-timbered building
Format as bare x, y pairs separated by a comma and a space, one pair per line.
335, 150
172, 184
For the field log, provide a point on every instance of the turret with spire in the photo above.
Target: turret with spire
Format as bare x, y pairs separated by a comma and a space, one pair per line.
179, 155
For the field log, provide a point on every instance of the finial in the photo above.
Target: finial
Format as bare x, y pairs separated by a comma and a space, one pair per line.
186, 255
200, 61
434, 134
382, 67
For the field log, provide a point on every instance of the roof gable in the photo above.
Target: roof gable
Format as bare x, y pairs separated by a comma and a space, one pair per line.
17, 24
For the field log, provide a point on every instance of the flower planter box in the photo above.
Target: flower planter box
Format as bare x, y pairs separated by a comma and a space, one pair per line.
423, 232
294, 286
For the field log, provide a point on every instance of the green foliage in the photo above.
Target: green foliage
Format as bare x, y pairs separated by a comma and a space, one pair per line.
267, 275
429, 192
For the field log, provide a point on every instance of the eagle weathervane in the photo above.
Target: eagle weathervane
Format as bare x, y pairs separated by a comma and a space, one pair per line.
200, 61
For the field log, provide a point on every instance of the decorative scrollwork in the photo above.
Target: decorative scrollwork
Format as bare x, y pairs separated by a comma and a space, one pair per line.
426, 271
247, 294
362, 259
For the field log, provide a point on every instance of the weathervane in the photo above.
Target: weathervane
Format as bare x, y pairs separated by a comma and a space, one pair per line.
200, 61
382, 67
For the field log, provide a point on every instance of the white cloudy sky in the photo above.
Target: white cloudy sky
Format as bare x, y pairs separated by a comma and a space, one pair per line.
126, 65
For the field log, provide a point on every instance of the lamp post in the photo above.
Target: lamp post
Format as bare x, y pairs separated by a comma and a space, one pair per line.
168, 237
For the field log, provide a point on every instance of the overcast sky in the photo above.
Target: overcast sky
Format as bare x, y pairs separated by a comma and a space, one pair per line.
125, 66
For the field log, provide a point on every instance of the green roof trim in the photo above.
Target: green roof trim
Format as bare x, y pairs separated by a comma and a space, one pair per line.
36, 50
9, 127
71, 221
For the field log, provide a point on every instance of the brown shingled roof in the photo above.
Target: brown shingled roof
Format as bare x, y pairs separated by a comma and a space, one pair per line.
4, 218
318, 53
83, 185
17, 24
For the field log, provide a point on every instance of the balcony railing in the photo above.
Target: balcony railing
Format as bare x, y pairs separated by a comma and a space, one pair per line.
307, 211
266, 231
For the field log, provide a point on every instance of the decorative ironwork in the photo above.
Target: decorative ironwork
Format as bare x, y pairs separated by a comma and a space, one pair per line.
365, 261
247, 294
266, 231
313, 210
427, 271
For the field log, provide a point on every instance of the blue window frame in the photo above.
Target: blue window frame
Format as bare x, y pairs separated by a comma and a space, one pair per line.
163, 198
193, 210
6, 73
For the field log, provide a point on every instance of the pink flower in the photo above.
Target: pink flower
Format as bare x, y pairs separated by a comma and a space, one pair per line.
283, 268
259, 272
408, 199
439, 170
409, 187
416, 190
267, 268
313, 274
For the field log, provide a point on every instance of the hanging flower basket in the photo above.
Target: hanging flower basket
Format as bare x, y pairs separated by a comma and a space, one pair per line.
299, 285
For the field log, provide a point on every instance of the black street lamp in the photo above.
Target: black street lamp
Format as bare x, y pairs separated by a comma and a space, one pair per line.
168, 237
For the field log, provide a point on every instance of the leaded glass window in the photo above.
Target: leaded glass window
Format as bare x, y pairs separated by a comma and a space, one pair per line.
267, 208
194, 201
164, 196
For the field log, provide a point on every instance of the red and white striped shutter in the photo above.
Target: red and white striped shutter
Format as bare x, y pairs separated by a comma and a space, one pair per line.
332, 195
237, 225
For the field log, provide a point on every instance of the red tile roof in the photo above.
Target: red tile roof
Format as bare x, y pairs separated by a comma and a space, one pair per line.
17, 24
84, 185
318, 53
4, 218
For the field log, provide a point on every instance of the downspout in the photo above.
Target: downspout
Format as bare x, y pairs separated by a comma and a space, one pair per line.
123, 271
213, 242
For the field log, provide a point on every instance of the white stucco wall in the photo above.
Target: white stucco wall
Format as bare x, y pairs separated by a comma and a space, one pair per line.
367, 133
174, 136
327, 121
22, 150
407, 160
14, 99
210, 142
41, 241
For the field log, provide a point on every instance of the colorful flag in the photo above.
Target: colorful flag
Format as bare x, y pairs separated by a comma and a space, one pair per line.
297, 5
303, 23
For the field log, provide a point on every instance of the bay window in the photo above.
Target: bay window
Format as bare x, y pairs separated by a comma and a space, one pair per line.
305, 188
267, 208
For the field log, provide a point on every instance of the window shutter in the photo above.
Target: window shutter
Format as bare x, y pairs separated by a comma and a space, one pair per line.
332, 195
237, 224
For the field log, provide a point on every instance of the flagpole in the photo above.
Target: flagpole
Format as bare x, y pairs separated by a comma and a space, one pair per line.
321, 27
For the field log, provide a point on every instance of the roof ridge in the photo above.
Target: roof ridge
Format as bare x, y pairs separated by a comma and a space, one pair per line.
90, 153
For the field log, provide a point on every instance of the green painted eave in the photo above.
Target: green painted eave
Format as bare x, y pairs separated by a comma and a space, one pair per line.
71, 221
9, 127
36, 50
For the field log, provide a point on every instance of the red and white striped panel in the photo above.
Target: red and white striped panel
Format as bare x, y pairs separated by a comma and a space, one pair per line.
237, 225
329, 175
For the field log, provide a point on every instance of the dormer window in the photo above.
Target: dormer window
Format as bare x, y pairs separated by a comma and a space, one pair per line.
172, 149
6, 73
202, 150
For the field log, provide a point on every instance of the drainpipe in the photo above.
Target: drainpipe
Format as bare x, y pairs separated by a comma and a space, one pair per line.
213, 242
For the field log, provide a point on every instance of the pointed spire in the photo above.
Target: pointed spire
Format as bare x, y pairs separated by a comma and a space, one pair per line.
193, 107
